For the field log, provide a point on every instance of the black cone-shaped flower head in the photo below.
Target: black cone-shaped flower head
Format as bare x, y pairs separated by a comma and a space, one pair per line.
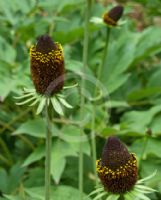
47, 66
112, 17
117, 169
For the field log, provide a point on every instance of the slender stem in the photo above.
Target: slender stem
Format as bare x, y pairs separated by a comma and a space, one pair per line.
108, 30
48, 152
93, 143
93, 135
85, 61
144, 149
121, 197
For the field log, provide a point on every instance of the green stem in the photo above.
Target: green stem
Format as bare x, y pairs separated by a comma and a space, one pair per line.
93, 135
108, 30
85, 61
121, 197
144, 149
48, 152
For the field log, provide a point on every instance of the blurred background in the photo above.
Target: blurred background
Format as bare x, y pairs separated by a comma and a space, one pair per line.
131, 110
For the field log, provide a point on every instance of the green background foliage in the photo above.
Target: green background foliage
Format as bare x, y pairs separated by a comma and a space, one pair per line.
131, 75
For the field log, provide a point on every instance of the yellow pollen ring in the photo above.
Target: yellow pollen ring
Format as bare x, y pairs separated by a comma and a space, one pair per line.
109, 20
56, 55
122, 171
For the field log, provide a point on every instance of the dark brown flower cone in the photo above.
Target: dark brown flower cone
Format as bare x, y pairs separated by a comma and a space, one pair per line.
116, 13
112, 17
117, 168
115, 153
47, 66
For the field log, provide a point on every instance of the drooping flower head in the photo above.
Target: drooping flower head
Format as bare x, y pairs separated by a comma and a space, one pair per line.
117, 169
47, 66
111, 18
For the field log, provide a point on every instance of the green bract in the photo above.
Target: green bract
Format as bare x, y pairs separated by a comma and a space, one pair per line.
32, 98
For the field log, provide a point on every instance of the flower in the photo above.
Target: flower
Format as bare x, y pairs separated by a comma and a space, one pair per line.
117, 169
47, 66
112, 17
47, 71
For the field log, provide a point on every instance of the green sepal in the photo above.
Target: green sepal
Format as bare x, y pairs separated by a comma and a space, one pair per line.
56, 105
65, 103
70, 86
26, 101
41, 105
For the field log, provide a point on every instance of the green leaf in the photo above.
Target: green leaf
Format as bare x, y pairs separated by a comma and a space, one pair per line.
3, 180
152, 148
57, 192
36, 155
113, 72
57, 167
72, 135
12, 197
133, 119
34, 128
10, 180
148, 43
144, 93
7, 52
62, 149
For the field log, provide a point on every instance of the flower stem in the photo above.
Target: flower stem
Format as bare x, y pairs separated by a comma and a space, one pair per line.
48, 152
121, 197
85, 61
93, 135
108, 30
144, 149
